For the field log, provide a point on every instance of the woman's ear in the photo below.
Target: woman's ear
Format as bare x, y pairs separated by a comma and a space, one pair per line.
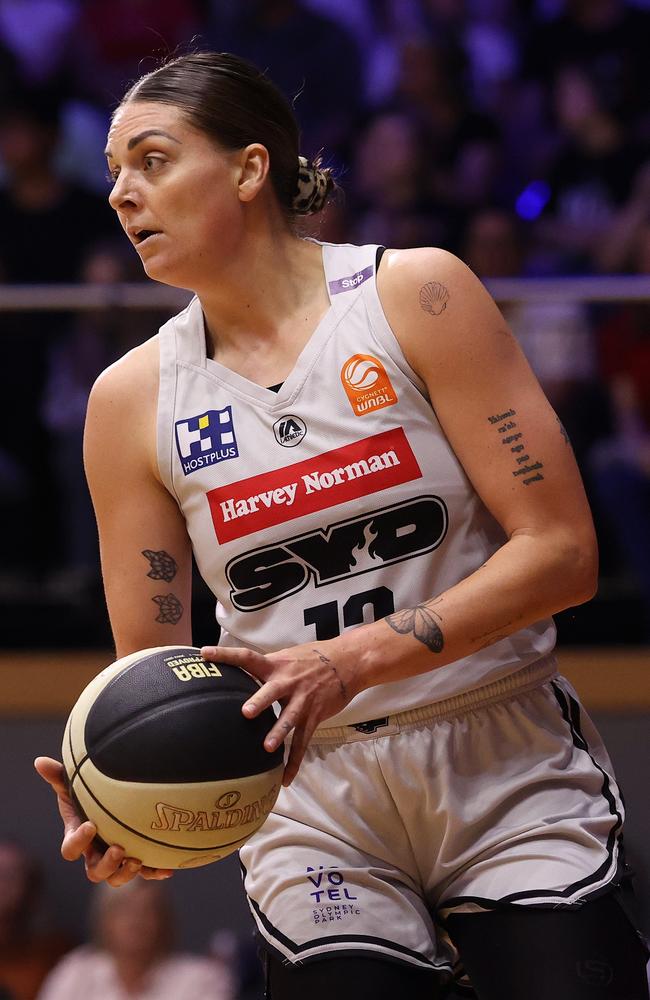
254, 165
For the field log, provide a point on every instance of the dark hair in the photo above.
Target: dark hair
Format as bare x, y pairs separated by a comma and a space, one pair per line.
233, 102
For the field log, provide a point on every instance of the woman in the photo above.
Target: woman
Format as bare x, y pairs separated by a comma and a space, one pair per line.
387, 511
132, 957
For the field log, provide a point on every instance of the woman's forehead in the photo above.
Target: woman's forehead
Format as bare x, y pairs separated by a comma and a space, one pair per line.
136, 117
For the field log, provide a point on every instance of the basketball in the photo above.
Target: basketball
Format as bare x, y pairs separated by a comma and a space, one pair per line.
159, 756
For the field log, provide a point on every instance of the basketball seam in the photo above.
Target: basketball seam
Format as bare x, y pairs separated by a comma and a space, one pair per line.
161, 843
119, 731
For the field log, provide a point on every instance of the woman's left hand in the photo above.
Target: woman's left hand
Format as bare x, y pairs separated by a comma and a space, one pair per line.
306, 680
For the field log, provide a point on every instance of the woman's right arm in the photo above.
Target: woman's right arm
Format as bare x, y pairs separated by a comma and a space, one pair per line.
145, 555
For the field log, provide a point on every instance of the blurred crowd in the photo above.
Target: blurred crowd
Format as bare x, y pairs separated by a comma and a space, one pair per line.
129, 951
515, 133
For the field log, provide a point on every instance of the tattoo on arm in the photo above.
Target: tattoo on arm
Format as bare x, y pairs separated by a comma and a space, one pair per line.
433, 298
163, 567
421, 622
513, 439
170, 609
324, 659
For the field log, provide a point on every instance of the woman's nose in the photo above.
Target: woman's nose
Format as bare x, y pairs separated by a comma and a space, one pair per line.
123, 193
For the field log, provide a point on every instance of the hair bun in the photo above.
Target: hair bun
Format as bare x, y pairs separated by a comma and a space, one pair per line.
312, 188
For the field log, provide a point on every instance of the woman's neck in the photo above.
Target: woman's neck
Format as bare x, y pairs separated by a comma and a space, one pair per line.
265, 300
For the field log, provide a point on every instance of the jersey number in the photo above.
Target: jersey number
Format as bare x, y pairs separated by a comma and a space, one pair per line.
325, 617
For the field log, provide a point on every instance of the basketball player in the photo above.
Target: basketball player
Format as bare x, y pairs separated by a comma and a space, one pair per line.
388, 512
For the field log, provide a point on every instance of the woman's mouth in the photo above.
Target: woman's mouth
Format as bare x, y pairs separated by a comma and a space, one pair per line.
143, 235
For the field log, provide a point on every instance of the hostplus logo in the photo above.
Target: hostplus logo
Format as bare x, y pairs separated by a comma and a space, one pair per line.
206, 440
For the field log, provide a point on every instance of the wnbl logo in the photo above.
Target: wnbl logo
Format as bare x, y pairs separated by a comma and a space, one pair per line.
348, 548
205, 440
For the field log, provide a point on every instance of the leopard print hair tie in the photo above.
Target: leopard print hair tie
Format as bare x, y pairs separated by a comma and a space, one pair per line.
313, 187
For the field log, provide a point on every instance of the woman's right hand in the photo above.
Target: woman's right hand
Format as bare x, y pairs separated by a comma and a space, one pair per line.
78, 835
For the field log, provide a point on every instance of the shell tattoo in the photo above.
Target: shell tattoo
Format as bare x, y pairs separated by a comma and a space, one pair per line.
434, 297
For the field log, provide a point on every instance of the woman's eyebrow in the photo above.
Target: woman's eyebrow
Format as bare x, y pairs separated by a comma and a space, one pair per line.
134, 140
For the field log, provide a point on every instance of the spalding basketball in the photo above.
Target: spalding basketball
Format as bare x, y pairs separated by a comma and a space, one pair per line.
159, 756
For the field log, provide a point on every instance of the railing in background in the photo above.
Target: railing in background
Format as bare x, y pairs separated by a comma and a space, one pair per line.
145, 295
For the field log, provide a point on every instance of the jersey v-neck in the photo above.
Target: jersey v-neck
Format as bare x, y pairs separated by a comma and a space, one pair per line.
286, 391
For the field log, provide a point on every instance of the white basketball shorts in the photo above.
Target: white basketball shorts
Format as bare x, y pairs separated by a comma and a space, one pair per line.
501, 795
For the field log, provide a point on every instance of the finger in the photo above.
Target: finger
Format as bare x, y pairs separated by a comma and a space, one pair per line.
53, 772
296, 754
254, 663
77, 838
266, 696
101, 867
286, 723
127, 871
156, 874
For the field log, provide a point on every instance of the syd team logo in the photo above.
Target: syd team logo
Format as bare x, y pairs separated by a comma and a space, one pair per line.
206, 440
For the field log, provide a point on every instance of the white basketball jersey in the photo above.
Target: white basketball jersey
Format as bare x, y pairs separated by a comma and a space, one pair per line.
330, 503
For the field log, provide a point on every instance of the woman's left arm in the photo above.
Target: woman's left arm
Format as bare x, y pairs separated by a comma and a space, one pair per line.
517, 456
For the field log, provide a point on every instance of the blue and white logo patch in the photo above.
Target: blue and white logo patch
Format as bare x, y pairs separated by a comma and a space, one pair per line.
206, 440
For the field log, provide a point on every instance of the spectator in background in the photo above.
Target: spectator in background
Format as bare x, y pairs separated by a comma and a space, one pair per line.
115, 40
312, 59
390, 191
92, 340
592, 176
462, 146
609, 38
132, 957
27, 951
620, 466
46, 228
555, 334
380, 27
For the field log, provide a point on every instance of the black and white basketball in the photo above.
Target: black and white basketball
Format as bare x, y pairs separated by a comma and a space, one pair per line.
159, 756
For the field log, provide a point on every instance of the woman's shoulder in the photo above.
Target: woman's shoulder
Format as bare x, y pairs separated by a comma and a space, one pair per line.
415, 263
62, 982
133, 377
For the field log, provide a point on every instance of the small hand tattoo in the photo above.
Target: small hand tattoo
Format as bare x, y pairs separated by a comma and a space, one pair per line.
163, 567
325, 659
434, 298
419, 620
170, 609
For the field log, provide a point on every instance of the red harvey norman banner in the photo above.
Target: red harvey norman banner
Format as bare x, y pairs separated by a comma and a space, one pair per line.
375, 463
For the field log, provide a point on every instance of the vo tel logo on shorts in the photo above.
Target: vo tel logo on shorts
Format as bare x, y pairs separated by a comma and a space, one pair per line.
289, 430
205, 440
367, 384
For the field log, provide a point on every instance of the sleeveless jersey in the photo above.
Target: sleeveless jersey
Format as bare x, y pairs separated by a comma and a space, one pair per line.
330, 503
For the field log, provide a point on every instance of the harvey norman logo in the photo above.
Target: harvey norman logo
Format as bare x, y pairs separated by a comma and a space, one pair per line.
359, 469
205, 440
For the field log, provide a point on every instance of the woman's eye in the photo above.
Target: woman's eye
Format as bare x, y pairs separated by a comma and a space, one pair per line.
152, 163
112, 175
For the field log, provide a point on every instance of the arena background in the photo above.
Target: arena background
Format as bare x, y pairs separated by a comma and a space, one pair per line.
513, 132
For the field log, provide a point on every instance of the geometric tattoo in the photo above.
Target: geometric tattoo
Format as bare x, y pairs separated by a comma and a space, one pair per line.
170, 608
163, 567
514, 440
420, 621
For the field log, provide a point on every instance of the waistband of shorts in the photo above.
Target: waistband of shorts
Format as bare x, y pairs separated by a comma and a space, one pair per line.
529, 677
